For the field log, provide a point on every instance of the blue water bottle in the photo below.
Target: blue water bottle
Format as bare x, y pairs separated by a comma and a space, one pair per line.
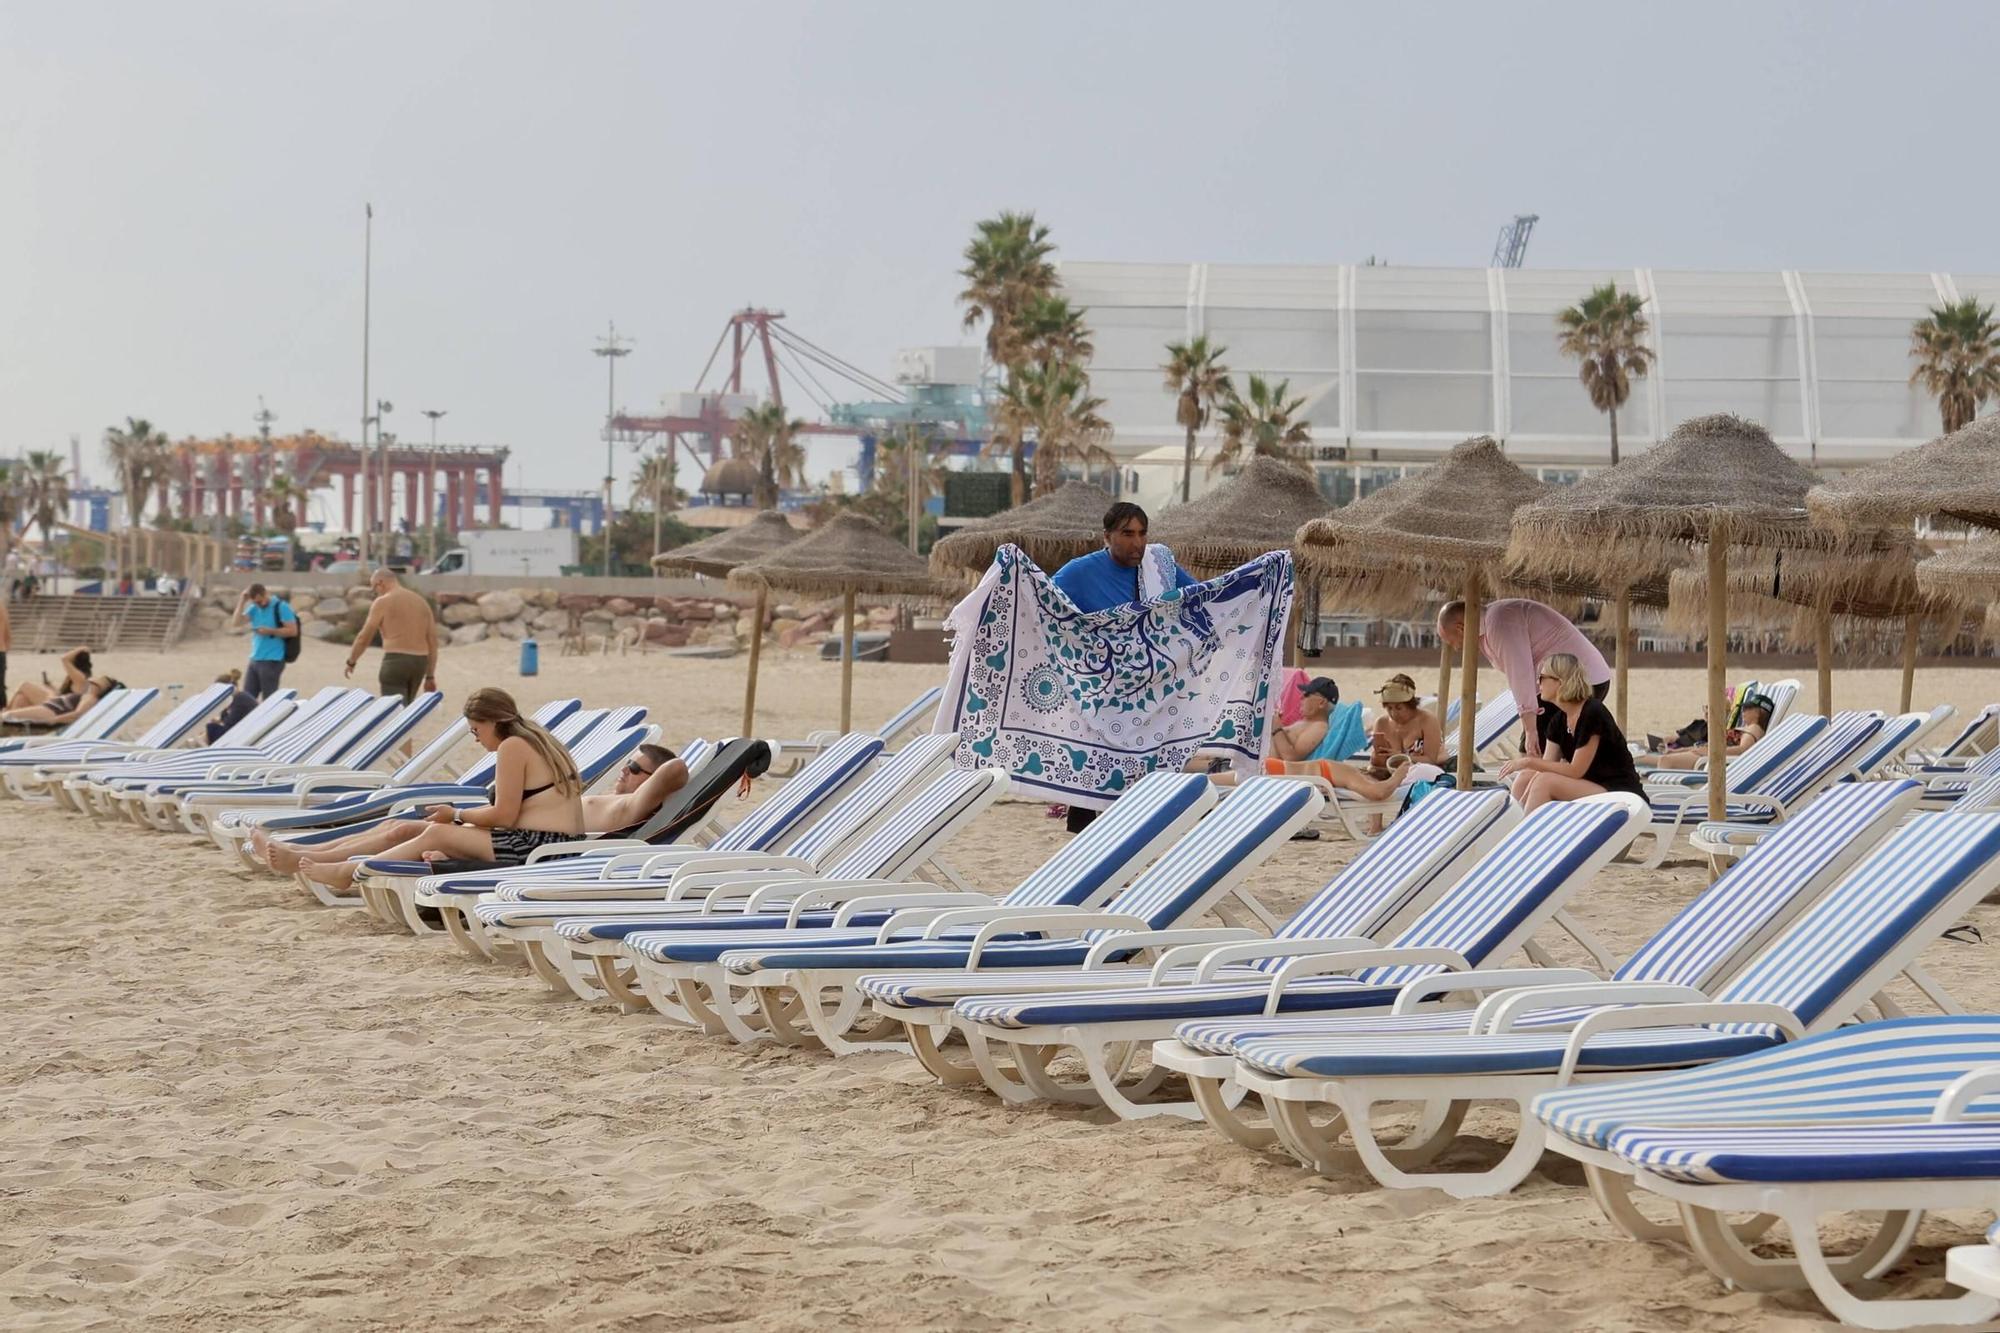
531, 657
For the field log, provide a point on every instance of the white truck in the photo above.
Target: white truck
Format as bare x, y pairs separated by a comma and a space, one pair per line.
510, 554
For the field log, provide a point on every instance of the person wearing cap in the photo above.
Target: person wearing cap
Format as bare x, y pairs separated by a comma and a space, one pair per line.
1751, 720
1406, 727
1517, 635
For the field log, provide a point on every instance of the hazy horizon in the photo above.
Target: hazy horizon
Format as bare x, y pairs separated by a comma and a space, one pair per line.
187, 183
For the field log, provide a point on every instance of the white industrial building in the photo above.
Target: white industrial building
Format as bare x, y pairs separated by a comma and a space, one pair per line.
1398, 364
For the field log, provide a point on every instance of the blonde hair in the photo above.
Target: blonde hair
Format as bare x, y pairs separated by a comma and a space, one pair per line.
498, 707
1572, 685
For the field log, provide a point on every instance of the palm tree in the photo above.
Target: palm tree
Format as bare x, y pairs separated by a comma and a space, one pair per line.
1262, 424
1957, 348
907, 475
280, 493
10, 503
1053, 404
1606, 333
1050, 329
1007, 273
1198, 380
134, 450
45, 490
768, 438
161, 469
655, 480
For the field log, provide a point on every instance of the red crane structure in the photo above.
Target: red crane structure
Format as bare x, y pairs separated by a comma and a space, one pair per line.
705, 417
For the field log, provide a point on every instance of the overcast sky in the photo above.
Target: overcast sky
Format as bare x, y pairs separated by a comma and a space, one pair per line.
182, 184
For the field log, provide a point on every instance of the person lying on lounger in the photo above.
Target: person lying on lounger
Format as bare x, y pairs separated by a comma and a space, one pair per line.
652, 775
1753, 718
41, 705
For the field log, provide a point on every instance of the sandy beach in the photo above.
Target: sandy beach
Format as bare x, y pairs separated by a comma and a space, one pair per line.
228, 1107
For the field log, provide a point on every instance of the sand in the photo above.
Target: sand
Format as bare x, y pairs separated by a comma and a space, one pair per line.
227, 1107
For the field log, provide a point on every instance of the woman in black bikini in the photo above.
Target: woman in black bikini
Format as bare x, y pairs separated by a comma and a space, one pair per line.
40, 705
537, 799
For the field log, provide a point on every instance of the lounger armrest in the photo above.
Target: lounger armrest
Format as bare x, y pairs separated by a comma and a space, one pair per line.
892, 903
1500, 1011
461, 800
626, 854
1349, 960
759, 861
1758, 799
570, 850
1212, 961
834, 892
1187, 937
1963, 1091
1425, 989
1670, 1016
716, 887
1069, 922
312, 782
967, 916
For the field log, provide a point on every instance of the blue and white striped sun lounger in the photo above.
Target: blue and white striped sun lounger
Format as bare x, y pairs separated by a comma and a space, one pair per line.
1490, 726
1979, 736
678, 969
1815, 975
1720, 929
888, 849
782, 817
111, 714
916, 715
1894, 1118
28, 772
1763, 792
1198, 874
74, 783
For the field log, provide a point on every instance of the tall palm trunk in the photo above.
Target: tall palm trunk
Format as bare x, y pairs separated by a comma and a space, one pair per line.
1019, 489
656, 522
1613, 414
1187, 465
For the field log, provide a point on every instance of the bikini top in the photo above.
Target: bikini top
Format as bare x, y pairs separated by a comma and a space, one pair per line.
533, 792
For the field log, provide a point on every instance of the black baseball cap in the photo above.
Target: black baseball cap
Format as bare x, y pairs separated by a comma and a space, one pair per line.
1324, 687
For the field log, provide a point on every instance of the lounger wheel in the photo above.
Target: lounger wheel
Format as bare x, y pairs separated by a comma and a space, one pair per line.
1619, 1202
1317, 1144
1729, 1256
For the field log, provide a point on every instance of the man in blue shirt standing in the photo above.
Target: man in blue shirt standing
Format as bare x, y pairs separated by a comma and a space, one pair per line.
1114, 576
271, 623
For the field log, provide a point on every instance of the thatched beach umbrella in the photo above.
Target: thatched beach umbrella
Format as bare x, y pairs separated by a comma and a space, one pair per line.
1955, 476
1052, 529
1716, 482
1446, 529
716, 556
849, 555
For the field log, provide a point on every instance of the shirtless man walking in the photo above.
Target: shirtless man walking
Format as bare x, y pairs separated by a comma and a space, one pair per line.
409, 638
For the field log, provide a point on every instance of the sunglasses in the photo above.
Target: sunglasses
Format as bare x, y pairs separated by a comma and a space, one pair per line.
637, 771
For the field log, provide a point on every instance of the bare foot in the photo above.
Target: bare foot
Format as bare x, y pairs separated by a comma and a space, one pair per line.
277, 855
336, 875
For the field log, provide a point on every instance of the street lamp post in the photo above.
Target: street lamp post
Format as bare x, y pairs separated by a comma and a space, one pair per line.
610, 347
430, 518
383, 407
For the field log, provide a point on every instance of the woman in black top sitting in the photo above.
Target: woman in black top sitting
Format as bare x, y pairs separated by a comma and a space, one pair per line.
1583, 752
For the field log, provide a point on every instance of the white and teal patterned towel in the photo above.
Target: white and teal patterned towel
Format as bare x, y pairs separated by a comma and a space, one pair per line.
1081, 706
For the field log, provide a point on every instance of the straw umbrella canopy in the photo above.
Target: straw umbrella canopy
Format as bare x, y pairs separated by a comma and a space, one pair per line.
1715, 483
1258, 510
1968, 575
716, 556
848, 556
1442, 529
1053, 528
1956, 476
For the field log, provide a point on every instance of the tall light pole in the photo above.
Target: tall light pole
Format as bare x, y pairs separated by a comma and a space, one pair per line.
430, 518
383, 407
367, 283
610, 347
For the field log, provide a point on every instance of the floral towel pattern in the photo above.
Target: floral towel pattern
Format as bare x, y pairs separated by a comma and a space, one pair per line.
1080, 706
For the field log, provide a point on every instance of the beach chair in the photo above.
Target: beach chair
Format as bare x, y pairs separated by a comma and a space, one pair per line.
71, 783
1763, 786
678, 969
779, 822
1784, 696
916, 715
103, 720
891, 851
373, 737
1979, 736
27, 773
161, 804
1901, 737
1891, 1118
734, 763
1200, 873
1816, 974
1490, 728
598, 756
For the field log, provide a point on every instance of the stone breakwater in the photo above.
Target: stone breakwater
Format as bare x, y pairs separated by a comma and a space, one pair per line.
336, 615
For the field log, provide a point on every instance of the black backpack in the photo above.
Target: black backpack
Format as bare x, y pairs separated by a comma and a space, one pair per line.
292, 644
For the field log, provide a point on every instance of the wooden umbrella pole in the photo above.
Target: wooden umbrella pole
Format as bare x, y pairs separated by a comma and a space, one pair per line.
1621, 625
1468, 687
1718, 649
847, 661
1823, 654
1911, 629
1444, 678
756, 651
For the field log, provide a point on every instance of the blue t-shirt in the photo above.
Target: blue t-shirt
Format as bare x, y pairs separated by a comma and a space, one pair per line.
1096, 582
264, 647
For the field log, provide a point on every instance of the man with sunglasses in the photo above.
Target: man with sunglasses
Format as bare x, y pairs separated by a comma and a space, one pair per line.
644, 785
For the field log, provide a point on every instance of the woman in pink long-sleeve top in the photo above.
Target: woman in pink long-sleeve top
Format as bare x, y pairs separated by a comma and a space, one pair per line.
1516, 634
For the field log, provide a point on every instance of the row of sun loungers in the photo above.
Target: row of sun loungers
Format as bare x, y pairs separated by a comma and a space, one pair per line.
1724, 1067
